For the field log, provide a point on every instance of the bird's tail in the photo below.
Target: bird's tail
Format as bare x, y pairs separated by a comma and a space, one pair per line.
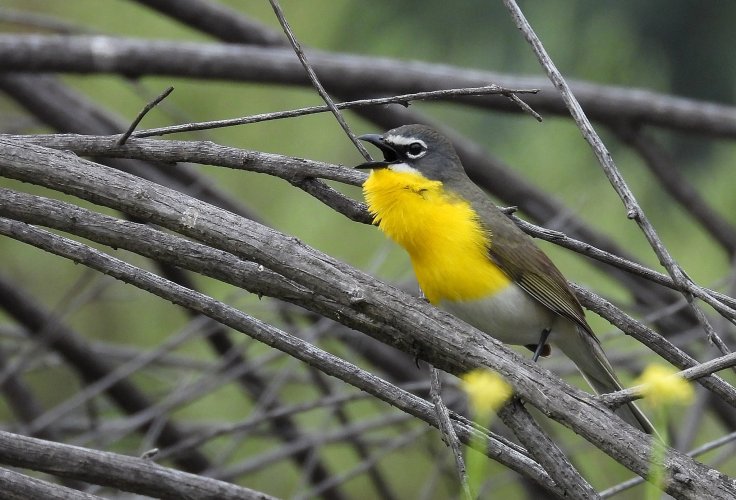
585, 351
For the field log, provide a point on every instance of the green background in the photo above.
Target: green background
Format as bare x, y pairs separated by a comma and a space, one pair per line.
679, 47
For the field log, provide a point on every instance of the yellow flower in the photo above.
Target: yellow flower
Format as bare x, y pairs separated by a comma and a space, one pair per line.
662, 387
487, 391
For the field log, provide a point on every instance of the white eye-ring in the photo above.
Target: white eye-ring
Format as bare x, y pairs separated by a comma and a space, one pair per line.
416, 149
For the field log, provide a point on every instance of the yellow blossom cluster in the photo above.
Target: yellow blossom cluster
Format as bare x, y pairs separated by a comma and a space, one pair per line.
662, 387
487, 391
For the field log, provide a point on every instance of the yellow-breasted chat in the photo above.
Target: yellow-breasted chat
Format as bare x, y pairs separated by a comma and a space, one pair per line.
471, 260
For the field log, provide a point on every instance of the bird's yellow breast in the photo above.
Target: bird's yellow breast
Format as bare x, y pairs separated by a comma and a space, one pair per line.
441, 232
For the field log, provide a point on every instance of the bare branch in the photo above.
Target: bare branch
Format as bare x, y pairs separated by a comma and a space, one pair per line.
448, 432
403, 100
227, 268
299, 171
44, 96
413, 326
724, 304
206, 153
545, 450
313, 78
314, 290
132, 474
349, 74
712, 445
227, 24
148, 107
726, 393
634, 211
17, 486
508, 455
44, 22
68, 111
706, 368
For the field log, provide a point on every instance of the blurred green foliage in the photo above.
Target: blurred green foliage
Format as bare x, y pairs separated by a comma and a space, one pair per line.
678, 46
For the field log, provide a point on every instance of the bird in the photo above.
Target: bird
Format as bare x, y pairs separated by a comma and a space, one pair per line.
471, 260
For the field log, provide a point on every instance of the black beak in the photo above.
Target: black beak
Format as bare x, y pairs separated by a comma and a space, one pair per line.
389, 154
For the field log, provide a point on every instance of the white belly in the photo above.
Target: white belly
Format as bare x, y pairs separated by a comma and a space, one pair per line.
511, 316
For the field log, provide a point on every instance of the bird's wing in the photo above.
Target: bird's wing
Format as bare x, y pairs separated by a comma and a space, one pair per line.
524, 262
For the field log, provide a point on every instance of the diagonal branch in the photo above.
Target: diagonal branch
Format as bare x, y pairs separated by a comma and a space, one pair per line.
405, 322
230, 25
313, 78
17, 486
546, 451
510, 456
300, 171
634, 211
135, 475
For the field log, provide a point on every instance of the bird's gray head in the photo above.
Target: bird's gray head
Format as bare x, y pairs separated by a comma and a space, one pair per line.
416, 148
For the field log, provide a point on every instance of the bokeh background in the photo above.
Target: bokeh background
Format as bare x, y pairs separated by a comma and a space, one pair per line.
679, 47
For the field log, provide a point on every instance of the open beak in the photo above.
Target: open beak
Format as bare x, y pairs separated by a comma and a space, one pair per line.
389, 154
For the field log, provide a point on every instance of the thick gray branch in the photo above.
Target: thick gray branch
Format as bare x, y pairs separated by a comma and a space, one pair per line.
118, 471
299, 172
17, 486
409, 324
348, 74
506, 453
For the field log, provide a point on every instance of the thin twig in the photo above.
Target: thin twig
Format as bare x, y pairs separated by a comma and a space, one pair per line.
270, 456
345, 75
656, 342
448, 431
618, 398
197, 440
403, 99
29, 19
634, 211
724, 304
148, 107
524, 106
313, 78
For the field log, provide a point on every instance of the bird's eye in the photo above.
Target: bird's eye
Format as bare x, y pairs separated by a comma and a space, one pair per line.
415, 150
